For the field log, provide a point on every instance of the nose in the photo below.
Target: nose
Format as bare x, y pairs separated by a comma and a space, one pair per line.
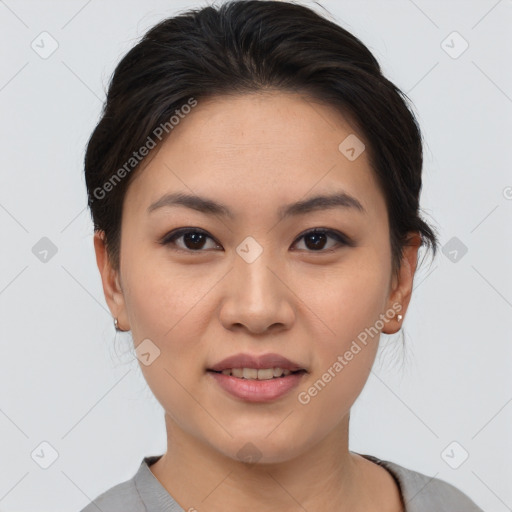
256, 297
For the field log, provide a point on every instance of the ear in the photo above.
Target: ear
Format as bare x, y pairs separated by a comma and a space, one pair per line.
111, 282
401, 286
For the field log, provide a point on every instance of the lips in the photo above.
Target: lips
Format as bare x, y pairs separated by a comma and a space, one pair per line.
262, 378
257, 362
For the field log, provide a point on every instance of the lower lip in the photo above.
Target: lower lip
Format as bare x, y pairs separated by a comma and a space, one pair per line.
252, 390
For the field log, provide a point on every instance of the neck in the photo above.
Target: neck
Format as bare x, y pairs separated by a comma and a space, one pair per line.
200, 477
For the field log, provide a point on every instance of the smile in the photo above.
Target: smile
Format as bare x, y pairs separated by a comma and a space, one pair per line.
257, 373
253, 386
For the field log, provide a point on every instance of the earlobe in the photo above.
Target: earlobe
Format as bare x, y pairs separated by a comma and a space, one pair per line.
402, 289
110, 281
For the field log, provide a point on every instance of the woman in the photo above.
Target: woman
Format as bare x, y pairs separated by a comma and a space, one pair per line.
254, 183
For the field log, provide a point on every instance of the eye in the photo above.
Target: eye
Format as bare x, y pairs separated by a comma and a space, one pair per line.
195, 239
315, 239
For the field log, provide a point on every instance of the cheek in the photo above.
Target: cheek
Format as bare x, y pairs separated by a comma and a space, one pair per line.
165, 302
348, 298
349, 302
168, 312
345, 352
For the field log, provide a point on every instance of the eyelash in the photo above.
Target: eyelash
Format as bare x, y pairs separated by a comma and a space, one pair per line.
342, 239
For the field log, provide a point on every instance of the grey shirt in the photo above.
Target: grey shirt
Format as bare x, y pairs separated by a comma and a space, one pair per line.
144, 493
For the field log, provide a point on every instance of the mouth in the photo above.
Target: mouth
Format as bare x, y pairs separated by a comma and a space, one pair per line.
249, 363
258, 373
257, 378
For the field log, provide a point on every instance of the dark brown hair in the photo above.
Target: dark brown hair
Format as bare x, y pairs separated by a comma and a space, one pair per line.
246, 46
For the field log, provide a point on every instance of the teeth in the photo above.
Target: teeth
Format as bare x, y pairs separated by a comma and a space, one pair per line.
250, 373
256, 374
265, 374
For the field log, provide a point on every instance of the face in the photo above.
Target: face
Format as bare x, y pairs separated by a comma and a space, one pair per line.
250, 279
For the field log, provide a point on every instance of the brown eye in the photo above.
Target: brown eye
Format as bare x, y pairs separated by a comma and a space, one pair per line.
196, 240
317, 240
189, 239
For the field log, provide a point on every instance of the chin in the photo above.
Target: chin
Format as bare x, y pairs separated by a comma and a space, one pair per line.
261, 449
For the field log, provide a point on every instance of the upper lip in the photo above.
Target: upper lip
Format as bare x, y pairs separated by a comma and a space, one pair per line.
256, 361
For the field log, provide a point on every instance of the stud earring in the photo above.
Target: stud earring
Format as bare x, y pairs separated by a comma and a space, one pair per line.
116, 325
399, 318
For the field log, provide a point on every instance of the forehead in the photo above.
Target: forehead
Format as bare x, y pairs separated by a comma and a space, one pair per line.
256, 149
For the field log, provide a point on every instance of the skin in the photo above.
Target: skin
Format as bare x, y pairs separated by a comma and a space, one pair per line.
255, 153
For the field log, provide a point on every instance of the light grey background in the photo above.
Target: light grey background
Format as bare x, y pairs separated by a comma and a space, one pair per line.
69, 381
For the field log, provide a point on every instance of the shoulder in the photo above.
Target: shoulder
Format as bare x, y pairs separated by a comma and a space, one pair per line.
142, 493
423, 493
120, 498
126, 496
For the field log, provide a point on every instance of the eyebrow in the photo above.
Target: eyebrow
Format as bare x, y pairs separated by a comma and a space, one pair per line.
211, 207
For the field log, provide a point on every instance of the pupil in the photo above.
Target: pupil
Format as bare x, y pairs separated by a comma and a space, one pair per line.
196, 239
317, 243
